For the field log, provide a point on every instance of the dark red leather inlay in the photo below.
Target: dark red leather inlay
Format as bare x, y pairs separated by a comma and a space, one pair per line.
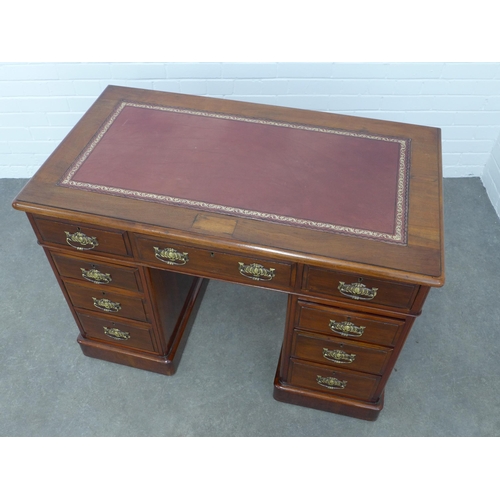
345, 180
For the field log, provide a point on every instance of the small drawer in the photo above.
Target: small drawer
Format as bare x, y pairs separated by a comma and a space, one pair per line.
112, 303
212, 263
351, 326
333, 381
359, 289
82, 238
98, 272
117, 332
340, 353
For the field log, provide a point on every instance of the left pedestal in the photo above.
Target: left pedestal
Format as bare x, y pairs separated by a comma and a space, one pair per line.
126, 313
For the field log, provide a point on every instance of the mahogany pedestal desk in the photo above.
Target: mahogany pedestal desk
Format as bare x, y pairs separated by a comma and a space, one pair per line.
152, 193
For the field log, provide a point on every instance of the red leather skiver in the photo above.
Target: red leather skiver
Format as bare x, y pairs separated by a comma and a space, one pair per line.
281, 172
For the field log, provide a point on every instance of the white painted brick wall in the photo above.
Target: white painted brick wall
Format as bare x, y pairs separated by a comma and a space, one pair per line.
40, 102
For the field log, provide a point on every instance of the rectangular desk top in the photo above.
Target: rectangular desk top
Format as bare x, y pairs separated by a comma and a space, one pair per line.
319, 188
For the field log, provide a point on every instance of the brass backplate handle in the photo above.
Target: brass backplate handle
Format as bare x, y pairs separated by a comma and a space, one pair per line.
81, 241
357, 291
338, 356
331, 382
106, 305
96, 276
346, 328
116, 334
256, 272
171, 256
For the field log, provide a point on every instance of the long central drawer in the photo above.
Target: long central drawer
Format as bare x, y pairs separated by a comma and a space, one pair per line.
215, 264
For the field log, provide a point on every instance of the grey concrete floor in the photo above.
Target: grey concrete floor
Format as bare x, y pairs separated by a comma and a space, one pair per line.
445, 382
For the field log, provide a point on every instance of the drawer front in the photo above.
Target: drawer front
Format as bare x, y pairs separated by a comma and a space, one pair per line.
335, 381
112, 302
359, 289
117, 332
351, 326
204, 262
98, 272
339, 353
85, 239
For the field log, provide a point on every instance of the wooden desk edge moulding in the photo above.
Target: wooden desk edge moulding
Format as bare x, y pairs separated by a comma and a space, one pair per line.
152, 194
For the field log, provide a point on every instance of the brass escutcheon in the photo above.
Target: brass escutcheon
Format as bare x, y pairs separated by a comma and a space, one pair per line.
331, 382
116, 334
106, 305
79, 238
171, 256
346, 328
357, 291
96, 276
338, 356
256, 272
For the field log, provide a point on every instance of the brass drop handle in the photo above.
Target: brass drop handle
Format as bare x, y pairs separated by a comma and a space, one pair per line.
106, 305
116, 334
171, 256
338, 356
80, 240
95, 276
357, 291
346, 328
256, 272
331, 382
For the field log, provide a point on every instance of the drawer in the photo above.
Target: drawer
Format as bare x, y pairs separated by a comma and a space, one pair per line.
109, 302
344, 324
83, 238
340, 353
214, 264
98, 272
117, 332
359, 289
333, 381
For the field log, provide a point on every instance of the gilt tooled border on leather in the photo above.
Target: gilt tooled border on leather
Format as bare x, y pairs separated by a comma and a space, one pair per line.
398, 237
